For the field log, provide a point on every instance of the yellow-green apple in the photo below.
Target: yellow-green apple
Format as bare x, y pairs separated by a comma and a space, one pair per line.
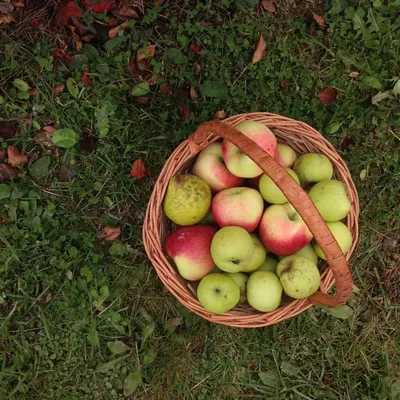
238, 162
264, 291
313, 167
210, 166
285, 155
232, 248
269, 264
307, 252
259, 255
299, 276
270, 191
342, 235
241, 206
241, 280
190, 248
282, 230
218, 293
331, 199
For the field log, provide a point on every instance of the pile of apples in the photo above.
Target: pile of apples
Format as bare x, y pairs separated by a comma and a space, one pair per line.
239, 236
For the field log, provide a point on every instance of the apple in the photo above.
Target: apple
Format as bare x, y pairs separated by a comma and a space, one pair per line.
331, 199
269, 264
210, 166
313, 167
190, 248
285, 155
342, 235
264, 291
240, 164
218, 293
282, 230
241, 206
270, 191
241, 280
299, 276
306, 252
259, 255
232, 249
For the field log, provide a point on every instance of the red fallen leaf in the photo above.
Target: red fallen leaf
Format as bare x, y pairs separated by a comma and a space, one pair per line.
67, 11
268, 6
193, 94
15, 157
259, 52
196, 69
354, 74
99, 6
33, 92
160, 2
146, 52
185, 109
138, 170
166, 88
319, 20
112, 22
49, 128
328, 95
58, 89
112, 33
196, 48
346, 143
144, 67
7, 130
283, 85
220, 115
110, 233
85, 79
34, 23
128, 12
7, 172
61, 54
7, 19
142, 100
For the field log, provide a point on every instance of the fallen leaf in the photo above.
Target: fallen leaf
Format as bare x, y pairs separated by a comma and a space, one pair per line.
196, 48
78, 44
128, 12
346, 143
81, 28
152, 80
49, 128
67, 11
112, 22
363, 174
193, 94
166, 88
85, 79
319, 20
99, 6
7, 172
268, 6
7, 130
259, 52
61, 54
7, 19
283, 85
19, 4
328, 95
354, 74
15, 157
138, 169
381, 96
44, 139
88, 38
58, 89
88, 143
34, 23
160, 2
6, 8
112, 33
3, 155
185, 110
220, 115
146, 52
142, 100
33, 92
110, 233
196, 69
66, 173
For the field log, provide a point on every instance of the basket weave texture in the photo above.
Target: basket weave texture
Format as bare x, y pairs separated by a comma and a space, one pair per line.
303, 139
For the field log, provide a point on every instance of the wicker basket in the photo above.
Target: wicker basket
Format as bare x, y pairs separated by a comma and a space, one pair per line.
303, 139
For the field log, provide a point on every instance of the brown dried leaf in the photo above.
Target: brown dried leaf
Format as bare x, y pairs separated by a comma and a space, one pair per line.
220, 115
142, 100
128, 12
196, 48
319, 20
19, 4
15, 157
58, 89
185, 110
110, 233
6, 8
166, 88
196, 69
354, 74
112, 33
7, 172
328, 95
146, 52
259, 52
66, 173
49, 128
7, 19
7, 130
193, 94
268, 6
44, 139
152, 80
33, 92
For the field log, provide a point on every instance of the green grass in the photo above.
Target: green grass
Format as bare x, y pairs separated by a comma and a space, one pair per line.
70, 305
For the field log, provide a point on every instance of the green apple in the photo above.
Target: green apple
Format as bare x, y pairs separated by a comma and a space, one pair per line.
264, 291
218, 293
259, 255
299, 276
331, 200
270, 191
307, 252
241, 280
313, 167
232, 249
269, 264
342, 235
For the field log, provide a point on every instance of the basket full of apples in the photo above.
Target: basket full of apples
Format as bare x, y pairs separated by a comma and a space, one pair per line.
253, 220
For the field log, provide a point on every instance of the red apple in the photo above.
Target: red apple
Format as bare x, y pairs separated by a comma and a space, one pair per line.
285, 155
190, 248
240, 206
210, 166
239, 163
282, 230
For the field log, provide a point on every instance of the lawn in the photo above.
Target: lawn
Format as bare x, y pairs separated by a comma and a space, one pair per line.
82, 317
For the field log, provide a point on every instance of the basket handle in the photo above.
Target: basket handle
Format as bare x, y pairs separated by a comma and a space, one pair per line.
209, 131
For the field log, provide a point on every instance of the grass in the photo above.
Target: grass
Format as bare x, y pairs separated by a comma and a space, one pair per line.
79, 317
